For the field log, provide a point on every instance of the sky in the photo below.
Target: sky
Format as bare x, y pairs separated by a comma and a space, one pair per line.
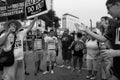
84, 9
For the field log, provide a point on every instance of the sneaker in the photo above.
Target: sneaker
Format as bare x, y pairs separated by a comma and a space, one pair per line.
93, 78
35, 74
52, 72
26, 73
79, 70
88, 76
73, 70
62, 66
45, 72
68, 67
103, 79
55, 64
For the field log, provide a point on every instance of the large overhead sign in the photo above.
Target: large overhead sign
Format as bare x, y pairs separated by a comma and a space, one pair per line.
16, 10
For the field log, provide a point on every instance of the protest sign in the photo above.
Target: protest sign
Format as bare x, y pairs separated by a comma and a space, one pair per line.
117, 41
35, 8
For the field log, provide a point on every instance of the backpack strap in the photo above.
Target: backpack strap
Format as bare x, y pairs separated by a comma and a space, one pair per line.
13, 45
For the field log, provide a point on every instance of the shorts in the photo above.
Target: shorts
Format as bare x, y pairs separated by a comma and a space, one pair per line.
38, 55
66, 54
51, 55
92, 64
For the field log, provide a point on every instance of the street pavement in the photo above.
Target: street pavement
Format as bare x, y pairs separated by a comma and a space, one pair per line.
59, 73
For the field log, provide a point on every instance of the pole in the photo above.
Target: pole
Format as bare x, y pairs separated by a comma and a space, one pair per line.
91, 24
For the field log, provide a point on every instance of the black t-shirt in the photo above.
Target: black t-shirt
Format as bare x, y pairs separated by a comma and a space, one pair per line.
66, 41
113, 36
29, 36
78, 47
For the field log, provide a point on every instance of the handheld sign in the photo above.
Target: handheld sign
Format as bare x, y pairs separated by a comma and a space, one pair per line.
35, 8
117, 41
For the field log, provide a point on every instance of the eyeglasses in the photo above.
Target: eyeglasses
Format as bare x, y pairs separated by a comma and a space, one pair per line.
108, 7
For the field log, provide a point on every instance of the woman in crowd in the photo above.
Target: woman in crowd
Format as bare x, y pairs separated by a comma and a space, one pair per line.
92, 47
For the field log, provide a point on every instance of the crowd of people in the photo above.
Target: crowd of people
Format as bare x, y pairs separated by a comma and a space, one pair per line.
100, 51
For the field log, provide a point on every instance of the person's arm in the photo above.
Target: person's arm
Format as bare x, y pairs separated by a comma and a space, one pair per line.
85, 29
117, 52
46, 45
98, 37
28, 28
56, 43
3, 37
43, 44
32, 24
71, 45
110, 53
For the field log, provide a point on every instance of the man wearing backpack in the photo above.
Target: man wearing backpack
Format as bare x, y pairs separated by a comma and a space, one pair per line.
78, 48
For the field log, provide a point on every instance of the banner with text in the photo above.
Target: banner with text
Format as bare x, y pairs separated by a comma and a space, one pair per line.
35, 8
12, 11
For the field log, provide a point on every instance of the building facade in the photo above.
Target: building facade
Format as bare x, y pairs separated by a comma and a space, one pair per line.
68, 22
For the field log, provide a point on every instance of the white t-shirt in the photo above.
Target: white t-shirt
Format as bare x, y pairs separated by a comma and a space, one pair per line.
51, 41
18, 51
38, 44
92, 49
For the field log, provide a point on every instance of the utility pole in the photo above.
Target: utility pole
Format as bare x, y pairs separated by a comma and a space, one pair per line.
52, 15
91, 24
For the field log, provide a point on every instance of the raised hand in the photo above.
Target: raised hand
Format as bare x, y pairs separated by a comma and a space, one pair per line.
80, 27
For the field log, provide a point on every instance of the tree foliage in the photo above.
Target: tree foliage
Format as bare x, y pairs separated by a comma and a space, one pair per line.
49, 18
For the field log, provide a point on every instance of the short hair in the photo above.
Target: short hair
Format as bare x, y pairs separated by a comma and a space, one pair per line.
112, 24
112, 1
79, 35
51, 30
45, 32
67, 30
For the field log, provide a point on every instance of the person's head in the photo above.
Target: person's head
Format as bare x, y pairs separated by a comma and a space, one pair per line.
66, 32
14, 25
51, 33
104, 22
113, 7
79, 35
29, 32
104, 18
38, 32
45, 33
108, 23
